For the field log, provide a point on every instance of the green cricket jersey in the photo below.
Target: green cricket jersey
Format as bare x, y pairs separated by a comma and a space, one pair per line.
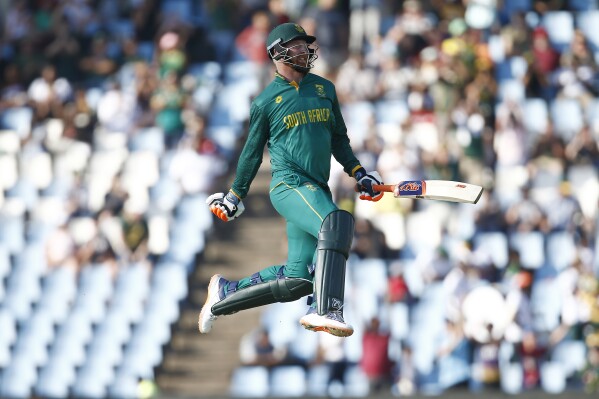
302, 126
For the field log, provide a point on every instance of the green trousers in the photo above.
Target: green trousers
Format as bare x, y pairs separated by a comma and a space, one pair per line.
304, 205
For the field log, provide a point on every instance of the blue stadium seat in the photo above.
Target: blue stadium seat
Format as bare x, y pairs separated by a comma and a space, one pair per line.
55, 379
545, 305
511, 90
531, 248
170, 278
560, 27
249, 381
587, 22
17, 119
494, 244
537, 116
304, 346
148, 139
17, 379
582, 5
123, 387
355, 382
287, 381
8, 336
571, 355
567, 117
318, 380
553, 378
561, 250
12, 233
399, 321
511, 378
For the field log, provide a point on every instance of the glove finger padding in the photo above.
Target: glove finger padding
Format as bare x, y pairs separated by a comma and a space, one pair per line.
225, 207
366, 183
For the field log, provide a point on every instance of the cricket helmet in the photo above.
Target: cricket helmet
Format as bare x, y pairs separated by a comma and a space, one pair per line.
276, 46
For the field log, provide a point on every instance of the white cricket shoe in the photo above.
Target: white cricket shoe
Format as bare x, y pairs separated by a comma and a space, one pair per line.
206, 318
331, 323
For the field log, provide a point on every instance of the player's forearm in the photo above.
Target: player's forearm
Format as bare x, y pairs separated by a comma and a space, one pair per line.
344, 154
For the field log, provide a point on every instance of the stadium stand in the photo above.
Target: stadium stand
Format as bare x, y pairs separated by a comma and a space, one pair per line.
115, 123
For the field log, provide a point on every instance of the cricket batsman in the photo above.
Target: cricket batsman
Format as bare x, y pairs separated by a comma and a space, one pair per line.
298, 117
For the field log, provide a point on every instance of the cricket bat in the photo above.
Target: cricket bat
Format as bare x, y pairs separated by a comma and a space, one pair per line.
440, 190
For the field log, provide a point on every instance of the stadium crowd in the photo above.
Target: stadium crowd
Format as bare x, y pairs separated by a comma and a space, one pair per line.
117, 116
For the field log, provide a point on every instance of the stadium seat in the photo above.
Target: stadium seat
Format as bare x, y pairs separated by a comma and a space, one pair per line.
399, 321
148, 139
304, 346
587, 22
567, 117
511, 90
17, 379
55, 379
571, 355
318, 380
561, 250
553, 378
8, 336
170, 278
584, 180
123, 387
17, 119
355, 382
537, 117
560, 27
531, 247
249, 381
287, 381
545, 305
495, 244
511, 378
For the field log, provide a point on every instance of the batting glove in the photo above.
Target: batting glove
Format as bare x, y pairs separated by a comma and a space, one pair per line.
226, 207
366, 181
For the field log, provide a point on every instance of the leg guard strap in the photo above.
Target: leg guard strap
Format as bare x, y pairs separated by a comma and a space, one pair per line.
280, 290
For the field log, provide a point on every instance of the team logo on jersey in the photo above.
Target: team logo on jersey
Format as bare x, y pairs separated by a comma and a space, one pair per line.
320, 90
299, 28
310, 186
278, 99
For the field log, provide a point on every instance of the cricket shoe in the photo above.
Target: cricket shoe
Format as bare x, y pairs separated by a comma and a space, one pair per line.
331, 323
215, 294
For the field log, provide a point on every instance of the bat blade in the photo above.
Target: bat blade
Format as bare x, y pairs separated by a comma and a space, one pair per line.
440, 190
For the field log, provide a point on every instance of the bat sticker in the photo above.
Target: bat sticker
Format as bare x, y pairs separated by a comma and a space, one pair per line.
411, 187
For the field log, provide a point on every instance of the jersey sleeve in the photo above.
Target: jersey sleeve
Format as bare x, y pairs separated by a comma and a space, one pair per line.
252, 152
341, 148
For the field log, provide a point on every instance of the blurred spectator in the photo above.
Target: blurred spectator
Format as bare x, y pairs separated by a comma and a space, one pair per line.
171, 57
256, 349
525, 215
135, 234
369, 242
250, 41
375, 356
543, 61
48, 93
97, 65
364, 23
64, 52
168, 101
590, 374
331, 30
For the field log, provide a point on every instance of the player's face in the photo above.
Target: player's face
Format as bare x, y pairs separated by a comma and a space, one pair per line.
298, 52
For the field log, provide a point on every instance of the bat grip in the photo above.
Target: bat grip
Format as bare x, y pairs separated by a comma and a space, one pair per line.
388, 188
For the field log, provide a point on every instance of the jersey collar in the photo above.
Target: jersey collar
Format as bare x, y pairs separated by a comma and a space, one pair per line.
283, 80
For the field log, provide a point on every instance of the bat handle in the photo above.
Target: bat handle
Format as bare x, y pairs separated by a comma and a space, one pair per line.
388, 188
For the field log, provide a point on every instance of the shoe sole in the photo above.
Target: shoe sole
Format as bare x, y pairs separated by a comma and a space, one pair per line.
338, 332
211, 285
